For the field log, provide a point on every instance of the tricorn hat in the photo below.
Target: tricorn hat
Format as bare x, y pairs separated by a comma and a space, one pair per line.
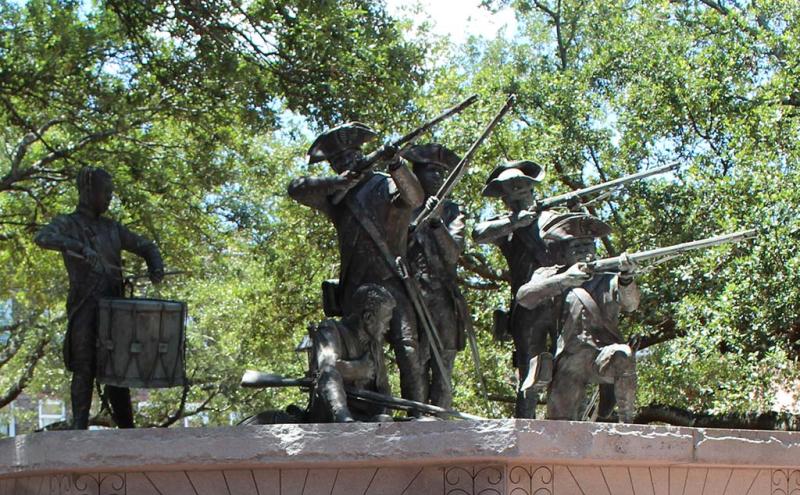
351, 135
513, 176
573, 226
431, 153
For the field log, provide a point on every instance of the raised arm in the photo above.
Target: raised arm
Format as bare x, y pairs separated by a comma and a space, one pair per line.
497, 228
409, 190
549, 282
316, 192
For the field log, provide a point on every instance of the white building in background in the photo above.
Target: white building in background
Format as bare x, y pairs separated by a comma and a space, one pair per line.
5, 320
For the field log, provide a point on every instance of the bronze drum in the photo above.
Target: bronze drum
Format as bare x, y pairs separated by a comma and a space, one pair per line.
141, 343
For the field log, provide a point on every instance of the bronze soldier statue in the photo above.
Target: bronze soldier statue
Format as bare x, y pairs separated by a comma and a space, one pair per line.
433, 255
349, 353
91, 246
372, 228
590, 348
517, 236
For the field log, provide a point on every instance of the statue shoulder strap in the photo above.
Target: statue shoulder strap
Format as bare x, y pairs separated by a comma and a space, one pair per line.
595, 313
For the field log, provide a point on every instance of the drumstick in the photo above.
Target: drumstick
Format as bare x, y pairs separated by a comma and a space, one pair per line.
174, 272
131, 277
82, 257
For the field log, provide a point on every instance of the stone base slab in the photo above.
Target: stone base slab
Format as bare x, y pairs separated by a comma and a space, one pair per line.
497, 457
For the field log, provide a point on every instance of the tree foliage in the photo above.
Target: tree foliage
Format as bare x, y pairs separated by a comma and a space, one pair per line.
608, 88
187, 120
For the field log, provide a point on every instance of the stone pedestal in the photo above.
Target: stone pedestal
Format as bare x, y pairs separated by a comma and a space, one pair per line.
498, 457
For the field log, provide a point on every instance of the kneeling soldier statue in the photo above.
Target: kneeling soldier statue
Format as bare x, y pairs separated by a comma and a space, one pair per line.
590, 348
91, 245
349, 353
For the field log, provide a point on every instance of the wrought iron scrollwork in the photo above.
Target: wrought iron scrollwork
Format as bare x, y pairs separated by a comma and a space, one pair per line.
530, 480
474, 480
786, 482
88, 484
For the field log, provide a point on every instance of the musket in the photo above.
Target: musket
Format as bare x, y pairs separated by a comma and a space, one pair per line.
569, 197
613, 264
376, 156
458, 170
424, 316
258, 379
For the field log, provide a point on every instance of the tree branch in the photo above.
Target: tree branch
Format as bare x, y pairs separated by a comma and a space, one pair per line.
27, 372
202, 407
659, 413
17, 175
490, 286
172, 418
665, 330
716, 6
14, 343
478, 264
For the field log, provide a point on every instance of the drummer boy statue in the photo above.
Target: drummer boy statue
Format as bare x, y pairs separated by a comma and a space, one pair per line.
91, 246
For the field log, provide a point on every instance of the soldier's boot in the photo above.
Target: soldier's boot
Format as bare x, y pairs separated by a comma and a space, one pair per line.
526, 404
625, 391
339, 410
606, 402
411, 372
540, 373
119, 398
441, 388
342, 416
81, 396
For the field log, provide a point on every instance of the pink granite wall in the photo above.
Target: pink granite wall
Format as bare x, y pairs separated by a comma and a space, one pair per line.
451, 480
480, 458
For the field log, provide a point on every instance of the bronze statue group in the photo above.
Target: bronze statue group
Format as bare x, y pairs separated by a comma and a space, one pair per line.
558, 304
399, 243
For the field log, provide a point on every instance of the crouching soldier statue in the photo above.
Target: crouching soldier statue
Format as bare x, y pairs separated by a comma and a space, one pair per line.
590, 348
91, 246
349, 353
347, 374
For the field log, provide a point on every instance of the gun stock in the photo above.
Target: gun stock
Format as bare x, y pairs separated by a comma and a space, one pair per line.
259, 379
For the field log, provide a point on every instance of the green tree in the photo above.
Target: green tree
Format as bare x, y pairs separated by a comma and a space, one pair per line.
181, 103
607, 88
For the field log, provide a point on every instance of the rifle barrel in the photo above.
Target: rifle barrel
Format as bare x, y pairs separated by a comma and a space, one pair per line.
371, 160
258, 379
459, 169
566, 197
405, 404
412, 136
612, 263
443, 116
